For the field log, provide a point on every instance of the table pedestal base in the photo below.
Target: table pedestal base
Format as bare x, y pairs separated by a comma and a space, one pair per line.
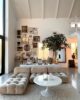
47, 92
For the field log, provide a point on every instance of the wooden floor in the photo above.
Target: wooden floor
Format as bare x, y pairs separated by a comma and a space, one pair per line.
70, 91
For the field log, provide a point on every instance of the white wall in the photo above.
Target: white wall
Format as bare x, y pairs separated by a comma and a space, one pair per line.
10, 36
46, 26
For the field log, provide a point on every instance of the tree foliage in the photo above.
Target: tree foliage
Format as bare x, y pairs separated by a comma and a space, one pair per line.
55, 42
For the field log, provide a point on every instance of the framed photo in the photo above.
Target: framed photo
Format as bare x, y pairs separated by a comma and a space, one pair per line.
30, 30
61, 55
19, 48
35, 45
24, 29
33, 30
36, 38
18, 32
26, 47
30, 36
18, 36
30, 39
18, 43
28, 54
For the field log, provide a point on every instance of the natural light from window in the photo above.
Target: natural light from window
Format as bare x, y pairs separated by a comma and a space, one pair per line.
1, 17
1, 32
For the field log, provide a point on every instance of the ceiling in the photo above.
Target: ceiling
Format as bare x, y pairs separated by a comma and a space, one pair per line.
47, 8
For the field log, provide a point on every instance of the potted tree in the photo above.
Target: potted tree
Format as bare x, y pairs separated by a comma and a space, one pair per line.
55, 42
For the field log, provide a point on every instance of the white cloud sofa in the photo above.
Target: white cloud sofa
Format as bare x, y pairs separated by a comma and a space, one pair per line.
24, 73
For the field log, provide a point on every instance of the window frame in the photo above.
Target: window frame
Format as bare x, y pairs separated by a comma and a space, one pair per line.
2, 37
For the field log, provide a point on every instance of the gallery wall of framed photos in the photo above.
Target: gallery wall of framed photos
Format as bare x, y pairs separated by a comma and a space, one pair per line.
27, 41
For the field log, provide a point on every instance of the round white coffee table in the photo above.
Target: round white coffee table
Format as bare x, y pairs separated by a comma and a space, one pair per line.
48, 81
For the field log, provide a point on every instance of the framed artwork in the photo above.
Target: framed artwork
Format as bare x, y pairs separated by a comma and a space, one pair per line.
35, 31
26, 47
32, 30
35, 45
19, 48
30, 38
18, 36
36, 38
18, 32
28, 54
61, 55
24, 29
18, 43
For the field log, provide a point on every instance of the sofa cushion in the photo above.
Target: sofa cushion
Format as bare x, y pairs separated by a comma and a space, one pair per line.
21, 70
11, 88
3, 89
20, 88
57, 69
21, 75
32, 76
39, 70
13, 75
15, 85
63, 76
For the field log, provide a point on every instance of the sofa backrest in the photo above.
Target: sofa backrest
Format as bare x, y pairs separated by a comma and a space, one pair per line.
39, 70
21, 70
58, 69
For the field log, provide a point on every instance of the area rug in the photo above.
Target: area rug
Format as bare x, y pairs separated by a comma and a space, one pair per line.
62, 92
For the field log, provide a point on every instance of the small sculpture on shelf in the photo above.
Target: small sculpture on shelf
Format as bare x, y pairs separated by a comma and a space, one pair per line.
73, 56
50, 60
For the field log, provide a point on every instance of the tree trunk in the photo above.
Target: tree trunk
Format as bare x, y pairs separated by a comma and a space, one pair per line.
54, 56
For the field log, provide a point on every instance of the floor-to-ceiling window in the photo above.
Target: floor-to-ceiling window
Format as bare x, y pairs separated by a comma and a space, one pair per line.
2, 36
